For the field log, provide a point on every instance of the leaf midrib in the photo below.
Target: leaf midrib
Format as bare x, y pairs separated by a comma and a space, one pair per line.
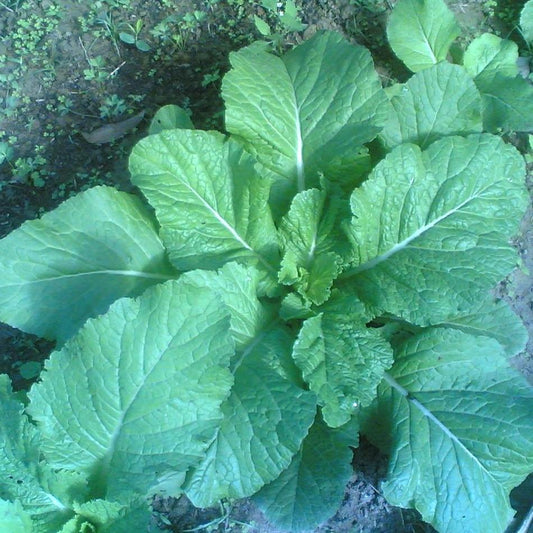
432, 418
107, 272
403, 244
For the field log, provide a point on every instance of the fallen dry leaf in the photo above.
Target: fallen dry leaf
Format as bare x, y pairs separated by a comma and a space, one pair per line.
112, 132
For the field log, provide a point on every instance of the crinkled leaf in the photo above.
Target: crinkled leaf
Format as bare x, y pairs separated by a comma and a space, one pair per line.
109, 517
237, 286
99, 511
507, 98
343, 363
307, 112
421, 31
526, 21
170, 117
311, 489
76, 260
460, 430
137, 392
117, 518
266, 417
74, 525
21, 478
208, 198
310, 241
14, 519
295, 306
441, 100
431, 229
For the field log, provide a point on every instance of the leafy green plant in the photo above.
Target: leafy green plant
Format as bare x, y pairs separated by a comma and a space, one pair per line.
287, 20
132, 36
321, 270
112, 106
96, 71
106, 20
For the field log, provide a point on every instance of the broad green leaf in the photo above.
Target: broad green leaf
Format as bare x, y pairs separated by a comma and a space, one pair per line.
526, 21
208, 198
144, 389
460, 430
127, 38
431, 229
311, 489
237, 286
266, 417
76, 260
421, 31
439, 101
170, 117
507, 98
270, 4
492, 319
99, 511
507, 104
20, 474
310, 239
14, 519
343, 363
488, 55
307, 112
262, 27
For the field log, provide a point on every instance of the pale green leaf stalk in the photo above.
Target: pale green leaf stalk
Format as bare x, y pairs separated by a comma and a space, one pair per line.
293, 112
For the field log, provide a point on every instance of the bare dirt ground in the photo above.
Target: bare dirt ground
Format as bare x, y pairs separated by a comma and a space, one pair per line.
65, 72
